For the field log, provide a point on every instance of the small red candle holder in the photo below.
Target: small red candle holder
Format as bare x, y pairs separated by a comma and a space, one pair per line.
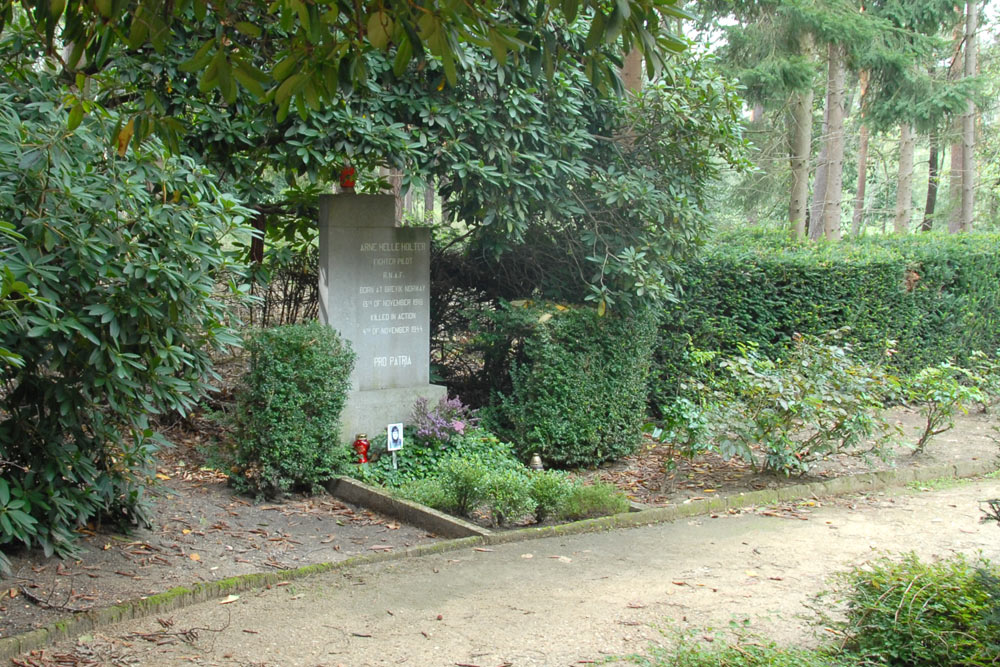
361, 446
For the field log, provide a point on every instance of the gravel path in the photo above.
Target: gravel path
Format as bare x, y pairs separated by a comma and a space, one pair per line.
562, 601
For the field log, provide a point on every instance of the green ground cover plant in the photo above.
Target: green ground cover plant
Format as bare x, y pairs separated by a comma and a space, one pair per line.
584, 501
688, 650
464, 469
432, 433
907, 611
492, 482
549, 489
288, 409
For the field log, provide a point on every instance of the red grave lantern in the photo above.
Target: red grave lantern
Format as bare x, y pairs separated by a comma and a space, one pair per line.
361, 446
347, 177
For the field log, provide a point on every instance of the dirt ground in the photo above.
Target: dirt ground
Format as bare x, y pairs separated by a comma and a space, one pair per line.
202, 531
976, 436
568, 600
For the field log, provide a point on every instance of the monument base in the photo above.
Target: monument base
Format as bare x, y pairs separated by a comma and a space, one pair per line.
371, 411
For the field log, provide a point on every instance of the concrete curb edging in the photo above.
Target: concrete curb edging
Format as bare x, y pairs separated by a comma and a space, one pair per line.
74, 625
358, 493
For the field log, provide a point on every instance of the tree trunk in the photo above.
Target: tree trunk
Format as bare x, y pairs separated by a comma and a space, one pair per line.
859, 197
800, 121
429, 201
955, 132
819, 180
955, 183
904, 181
969, 122
801, 130
932, 181
833, 194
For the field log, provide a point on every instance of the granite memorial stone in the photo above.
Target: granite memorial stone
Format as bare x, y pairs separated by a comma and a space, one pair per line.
374, 288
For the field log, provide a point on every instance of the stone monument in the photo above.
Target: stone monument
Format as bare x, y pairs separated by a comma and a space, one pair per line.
374, 288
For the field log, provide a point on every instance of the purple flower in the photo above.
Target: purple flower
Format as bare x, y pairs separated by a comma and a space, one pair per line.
438, 424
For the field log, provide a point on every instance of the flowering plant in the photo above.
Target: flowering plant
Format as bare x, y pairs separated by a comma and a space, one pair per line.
439, 423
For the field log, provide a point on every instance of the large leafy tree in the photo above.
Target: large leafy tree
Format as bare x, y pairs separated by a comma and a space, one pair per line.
506, 126
323, 45
123, 256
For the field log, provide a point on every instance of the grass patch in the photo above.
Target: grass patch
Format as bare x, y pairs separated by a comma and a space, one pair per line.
691, 650
938, 484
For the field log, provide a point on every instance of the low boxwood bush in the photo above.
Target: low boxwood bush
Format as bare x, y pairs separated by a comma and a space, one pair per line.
507, 495
549, 490
915, 613
590, 500
479, 471
288, 409
578, 381
481, 475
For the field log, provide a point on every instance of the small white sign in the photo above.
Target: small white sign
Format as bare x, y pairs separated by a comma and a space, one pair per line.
394, 437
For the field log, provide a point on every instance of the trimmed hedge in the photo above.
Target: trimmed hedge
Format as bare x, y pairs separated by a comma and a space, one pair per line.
578, 382
288, 408
937, 297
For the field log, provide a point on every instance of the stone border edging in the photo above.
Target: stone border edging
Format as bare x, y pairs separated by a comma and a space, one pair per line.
182, 596
352, 491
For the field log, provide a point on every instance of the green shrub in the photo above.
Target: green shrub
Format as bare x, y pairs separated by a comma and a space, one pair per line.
682, 430
480, 472
122, 256
914, 613
549, 489
578, 382
288, 408
814, 401
464, 482
430, 492
941, 391
589, 500
934, 295
507, 495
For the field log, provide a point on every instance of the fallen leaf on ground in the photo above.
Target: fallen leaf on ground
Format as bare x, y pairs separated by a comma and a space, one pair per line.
230, 599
